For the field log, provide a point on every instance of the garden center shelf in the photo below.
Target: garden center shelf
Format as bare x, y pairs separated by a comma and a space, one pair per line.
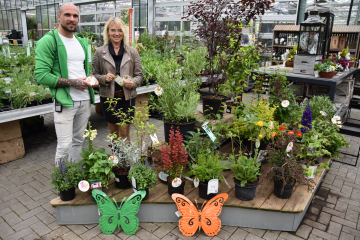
265, 211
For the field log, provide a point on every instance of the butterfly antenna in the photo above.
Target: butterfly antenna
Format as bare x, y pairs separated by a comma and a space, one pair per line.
202, 205
122, 202
116, 203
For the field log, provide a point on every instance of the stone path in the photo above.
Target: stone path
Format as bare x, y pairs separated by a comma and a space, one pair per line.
25, 193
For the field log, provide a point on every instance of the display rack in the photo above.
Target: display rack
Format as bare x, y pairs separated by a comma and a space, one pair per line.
352, 34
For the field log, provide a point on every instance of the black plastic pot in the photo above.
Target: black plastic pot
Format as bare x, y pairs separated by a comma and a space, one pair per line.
287, 189
147, 194
184, 129
46, 100
122, 181
67, 195
179, 189
6, 108
203, 191
245, 193
211, 107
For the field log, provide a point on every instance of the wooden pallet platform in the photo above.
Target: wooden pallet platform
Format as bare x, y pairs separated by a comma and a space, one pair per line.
265, 211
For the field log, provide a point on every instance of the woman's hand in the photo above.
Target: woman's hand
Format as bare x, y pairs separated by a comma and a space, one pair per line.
129, 84
109, 77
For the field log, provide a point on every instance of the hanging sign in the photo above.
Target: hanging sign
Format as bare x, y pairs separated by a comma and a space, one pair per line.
131, 30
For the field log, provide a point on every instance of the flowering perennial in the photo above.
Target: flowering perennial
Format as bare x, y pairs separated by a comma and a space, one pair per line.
306, 119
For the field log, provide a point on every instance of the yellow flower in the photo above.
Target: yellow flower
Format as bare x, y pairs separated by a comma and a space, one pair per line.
260, 136
260, 123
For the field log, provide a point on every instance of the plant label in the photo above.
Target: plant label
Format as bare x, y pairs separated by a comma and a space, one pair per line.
119, 80
196, 182
133, 181
113, 159
84, 186
261, 156
96, 185
213, 186
28, 49
227, 184
177, 214
154, 139
208, 131
176, 182
117, 180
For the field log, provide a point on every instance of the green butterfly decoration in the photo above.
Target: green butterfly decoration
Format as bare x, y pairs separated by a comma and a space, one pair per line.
115, 216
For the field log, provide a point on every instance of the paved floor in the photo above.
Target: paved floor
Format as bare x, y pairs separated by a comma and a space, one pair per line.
25, 211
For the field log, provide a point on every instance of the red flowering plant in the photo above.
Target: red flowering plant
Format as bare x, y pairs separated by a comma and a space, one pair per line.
174, 158
283, 164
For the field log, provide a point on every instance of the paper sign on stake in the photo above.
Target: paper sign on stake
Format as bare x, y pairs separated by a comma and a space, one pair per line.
213, 186
208, 131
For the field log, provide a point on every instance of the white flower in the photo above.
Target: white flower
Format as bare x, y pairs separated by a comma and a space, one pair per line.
323, 113
337, 118
158, 91
285, 103
257, 143
289, 147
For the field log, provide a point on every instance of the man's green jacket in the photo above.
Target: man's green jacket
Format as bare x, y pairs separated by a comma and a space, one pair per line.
51, 65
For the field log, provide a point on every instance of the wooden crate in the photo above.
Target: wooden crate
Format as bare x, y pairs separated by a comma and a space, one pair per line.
304, 64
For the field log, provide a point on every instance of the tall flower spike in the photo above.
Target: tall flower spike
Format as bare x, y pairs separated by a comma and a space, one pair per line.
306, 120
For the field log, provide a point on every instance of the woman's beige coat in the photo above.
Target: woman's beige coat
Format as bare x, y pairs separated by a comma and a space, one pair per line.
103, 63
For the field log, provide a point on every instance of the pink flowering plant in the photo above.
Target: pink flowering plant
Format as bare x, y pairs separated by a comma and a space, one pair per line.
174, 158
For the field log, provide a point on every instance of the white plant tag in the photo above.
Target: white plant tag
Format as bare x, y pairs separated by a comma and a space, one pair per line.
289, 146
119, 80
261, 156
176, 182
177, 214
117, 180
84, 186
113, 159
154, 139
213, 186
196, 182
208, 131
91, 80
227, 184
133, 181
99, 212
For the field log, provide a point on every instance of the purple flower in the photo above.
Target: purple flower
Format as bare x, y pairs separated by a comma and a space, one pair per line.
153, 167
52, 177
147, 164
137, 163
63, 170
306, 119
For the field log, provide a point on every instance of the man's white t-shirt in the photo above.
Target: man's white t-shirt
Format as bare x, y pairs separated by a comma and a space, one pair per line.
75, 64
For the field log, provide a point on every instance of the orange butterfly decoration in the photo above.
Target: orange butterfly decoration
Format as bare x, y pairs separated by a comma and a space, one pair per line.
205, 218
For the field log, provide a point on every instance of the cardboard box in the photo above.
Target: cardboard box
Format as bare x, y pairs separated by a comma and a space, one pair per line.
342, 42
334, 42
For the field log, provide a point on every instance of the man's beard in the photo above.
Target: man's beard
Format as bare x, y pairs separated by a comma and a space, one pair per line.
64, 27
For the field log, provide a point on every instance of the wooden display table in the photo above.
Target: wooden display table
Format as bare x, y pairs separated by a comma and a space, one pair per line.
265, 211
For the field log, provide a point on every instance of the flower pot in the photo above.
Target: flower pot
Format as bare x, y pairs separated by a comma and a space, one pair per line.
351, 64
67, 195
184, 129
211, 106
289, 64
147, 194
309, 171
179, 189
287, 189
327, 74
203, 191
122, 181
245, 193
319, 159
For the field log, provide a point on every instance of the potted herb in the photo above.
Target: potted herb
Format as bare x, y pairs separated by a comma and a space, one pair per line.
246, 172
286, 171
143, 177
209, 166
290, 58
65, 177
123, 157
173, 161
326, 68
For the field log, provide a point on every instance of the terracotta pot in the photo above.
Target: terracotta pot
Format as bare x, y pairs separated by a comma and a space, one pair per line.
351, 64
289, 64
327, 74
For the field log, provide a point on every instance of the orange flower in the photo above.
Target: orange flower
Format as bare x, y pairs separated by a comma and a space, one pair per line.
299, 134
282, 128
291, 132
275, 134
239, 97
264, 99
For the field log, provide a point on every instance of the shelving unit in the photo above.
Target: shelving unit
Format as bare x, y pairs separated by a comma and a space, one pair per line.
352, 34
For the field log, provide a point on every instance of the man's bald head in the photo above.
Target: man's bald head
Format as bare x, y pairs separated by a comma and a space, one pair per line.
67, 6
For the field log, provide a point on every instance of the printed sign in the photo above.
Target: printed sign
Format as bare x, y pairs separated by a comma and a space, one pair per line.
213, 186
208, 131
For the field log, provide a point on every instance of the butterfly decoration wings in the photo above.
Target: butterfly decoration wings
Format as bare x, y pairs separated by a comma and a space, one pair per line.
114, 216
193, 219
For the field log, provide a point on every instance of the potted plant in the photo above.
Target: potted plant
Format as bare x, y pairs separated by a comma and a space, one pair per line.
326, 68
123, 156
143, 177
65, 177
246, 172
290, 58
179, 98
173, 161
286, 171
209, 166
96, 161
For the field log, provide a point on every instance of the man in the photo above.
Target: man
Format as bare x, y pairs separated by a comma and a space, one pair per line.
62, 64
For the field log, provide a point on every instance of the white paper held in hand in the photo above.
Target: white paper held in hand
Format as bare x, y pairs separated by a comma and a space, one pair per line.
133, 180
213, 186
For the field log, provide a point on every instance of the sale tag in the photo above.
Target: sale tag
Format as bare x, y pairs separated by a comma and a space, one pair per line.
213, 186
208, 131
133, 180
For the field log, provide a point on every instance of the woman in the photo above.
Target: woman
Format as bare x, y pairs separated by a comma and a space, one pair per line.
116, 57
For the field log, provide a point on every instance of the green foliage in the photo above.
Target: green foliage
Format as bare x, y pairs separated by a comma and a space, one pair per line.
209, 165
321, 103
246, 170
3, 87
85, 33
148, 40
327, 66
66, 175
144, 175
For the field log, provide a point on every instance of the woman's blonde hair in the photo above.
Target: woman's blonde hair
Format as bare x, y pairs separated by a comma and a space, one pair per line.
123, 27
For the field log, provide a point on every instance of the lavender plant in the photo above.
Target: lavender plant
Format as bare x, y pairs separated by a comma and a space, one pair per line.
306, 120
67, 174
